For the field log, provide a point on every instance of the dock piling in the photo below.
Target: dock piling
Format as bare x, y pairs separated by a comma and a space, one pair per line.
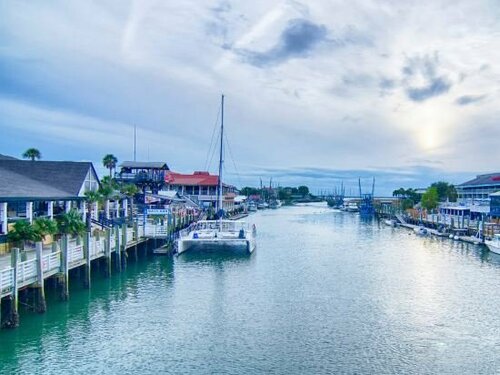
86, 253
39, 290
10, 316
64, 274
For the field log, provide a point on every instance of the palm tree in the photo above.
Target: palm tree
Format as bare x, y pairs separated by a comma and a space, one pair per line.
130, 190
71, 223
32, 153
44, 227
109, 161
91, 197
21, 232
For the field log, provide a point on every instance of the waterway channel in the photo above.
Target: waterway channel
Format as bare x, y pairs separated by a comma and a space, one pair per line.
323, 293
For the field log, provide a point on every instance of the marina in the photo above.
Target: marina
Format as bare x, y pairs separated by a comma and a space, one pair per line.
418, 305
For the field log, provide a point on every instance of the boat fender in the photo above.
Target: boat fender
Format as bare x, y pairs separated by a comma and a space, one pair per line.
241, 235
195, 235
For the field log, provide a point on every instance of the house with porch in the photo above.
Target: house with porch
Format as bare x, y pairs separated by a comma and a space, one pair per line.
32, 189
202, 188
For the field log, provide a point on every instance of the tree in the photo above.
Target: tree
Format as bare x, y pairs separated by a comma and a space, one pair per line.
44, 227
21, 232
109, 161
32, 153
91, 197
446, 191
430, 198
130, 190
71, 223
303, 190
247, 190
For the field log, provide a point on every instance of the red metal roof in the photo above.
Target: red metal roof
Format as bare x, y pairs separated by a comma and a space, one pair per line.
195, 179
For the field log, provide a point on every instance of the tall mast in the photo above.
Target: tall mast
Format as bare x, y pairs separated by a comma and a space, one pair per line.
221, 157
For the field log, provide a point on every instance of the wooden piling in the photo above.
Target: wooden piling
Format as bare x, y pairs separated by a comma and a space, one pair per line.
107, 254
124, 247
40, 305
10, 318
63, 276
86, 253
118, 253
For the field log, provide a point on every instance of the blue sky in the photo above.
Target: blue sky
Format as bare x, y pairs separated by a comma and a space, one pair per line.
317, 92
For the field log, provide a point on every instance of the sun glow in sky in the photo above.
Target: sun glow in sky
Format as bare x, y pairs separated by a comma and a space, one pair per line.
317, 91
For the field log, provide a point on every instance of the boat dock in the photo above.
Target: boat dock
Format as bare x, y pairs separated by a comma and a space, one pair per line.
23, 275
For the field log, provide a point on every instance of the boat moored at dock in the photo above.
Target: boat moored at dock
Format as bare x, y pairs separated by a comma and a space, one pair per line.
494, 244
230, 235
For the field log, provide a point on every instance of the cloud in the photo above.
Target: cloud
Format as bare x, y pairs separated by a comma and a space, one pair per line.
421, 79
297, 40
469, 99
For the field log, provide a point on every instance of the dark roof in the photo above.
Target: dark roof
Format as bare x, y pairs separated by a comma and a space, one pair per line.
7, 157
144, 165
483, 179
14, 186
64, 176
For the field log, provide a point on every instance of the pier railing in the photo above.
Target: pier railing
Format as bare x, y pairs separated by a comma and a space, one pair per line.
6, 281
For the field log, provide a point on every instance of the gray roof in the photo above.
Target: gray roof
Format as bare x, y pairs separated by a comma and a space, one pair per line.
14, 186
7, 157
54, 177
144, 165
484, 179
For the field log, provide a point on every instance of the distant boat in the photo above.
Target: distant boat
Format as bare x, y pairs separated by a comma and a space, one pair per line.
262, 206
421, 230
218, 234
390, 222
252, 207
352, 207
494, 244
275, 204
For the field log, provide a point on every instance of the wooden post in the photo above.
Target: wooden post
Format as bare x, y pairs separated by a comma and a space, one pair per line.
64, 276
118, 253
107, 253
124, 246
86, 253
136, 235
12, 315
40, 304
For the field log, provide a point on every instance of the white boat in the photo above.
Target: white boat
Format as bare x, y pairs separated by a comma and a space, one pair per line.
262, 206
352, 207
421, 231
252, 207
275, 204
218, 235
494, 244
390, 222
206, 235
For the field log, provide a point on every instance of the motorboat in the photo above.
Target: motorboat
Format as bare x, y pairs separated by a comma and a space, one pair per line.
390, 222
494, 244
421, 231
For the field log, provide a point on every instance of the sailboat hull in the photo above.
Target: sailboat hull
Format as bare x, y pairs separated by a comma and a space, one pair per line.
237, 246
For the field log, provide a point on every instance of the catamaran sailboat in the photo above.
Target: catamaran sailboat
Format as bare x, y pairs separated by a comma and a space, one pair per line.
220, 234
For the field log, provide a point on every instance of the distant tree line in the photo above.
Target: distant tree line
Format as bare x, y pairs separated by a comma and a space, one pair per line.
437, 192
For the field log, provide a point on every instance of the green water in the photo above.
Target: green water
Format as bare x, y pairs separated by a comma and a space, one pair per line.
323, 293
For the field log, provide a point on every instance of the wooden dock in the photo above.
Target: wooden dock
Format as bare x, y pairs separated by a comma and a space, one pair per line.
39, 264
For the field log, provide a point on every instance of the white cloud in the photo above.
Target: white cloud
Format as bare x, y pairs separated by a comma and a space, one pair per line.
345, 103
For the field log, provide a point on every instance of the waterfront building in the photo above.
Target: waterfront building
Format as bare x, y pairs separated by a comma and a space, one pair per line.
478, 190
202, 188
495, 205
147, 176
32, 189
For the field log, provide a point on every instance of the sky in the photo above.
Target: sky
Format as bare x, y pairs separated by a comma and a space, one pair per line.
317, 92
